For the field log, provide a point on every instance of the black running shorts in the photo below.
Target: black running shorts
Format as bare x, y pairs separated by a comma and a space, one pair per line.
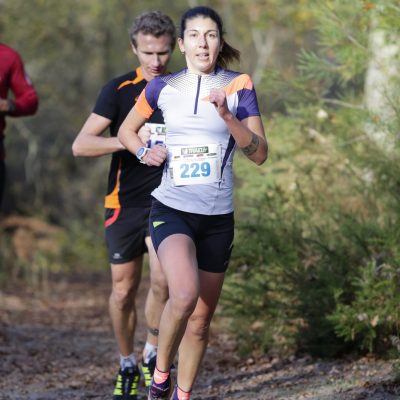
126, 230
212, 234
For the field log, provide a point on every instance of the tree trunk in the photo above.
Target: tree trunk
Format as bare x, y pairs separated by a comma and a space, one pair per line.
381, 85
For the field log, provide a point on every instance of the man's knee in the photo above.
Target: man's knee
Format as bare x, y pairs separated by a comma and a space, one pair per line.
123, 297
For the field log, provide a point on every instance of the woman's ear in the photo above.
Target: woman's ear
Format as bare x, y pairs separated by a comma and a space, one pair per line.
181, 45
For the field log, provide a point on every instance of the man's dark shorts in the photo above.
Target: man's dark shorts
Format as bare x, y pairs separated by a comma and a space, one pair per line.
212, 234
126, 230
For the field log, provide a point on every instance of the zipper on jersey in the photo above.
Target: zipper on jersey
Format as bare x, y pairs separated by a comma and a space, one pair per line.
197, 94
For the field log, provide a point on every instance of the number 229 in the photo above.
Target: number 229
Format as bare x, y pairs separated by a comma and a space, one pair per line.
195, 170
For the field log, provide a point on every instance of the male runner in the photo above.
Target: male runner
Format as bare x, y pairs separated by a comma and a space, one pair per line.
128, 200
25, 102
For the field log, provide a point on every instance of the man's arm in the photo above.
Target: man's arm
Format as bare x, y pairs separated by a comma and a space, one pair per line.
90, 143
25, 100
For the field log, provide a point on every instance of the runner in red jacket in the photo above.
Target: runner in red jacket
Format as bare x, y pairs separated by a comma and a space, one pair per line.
25, 101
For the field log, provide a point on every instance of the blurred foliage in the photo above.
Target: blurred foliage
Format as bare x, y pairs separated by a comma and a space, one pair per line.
316, 266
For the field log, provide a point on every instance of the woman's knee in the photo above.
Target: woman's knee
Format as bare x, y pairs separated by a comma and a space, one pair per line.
183, 303
198, 326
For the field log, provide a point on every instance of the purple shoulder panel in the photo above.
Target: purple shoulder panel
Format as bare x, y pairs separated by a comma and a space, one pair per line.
152, 91
248, 104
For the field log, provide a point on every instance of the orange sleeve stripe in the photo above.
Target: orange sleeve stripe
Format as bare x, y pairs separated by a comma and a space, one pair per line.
125, 84
142, 106
242, 81
139, 77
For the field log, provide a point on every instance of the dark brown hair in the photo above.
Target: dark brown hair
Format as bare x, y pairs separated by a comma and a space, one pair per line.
153, 23
228, 53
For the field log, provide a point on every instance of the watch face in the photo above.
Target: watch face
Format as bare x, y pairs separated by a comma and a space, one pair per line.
140, 152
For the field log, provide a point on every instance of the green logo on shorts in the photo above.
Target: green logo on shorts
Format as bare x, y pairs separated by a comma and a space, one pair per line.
158, 223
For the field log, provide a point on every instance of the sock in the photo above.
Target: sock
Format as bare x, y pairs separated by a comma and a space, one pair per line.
127, 361
182, 395
149, 352
159, 376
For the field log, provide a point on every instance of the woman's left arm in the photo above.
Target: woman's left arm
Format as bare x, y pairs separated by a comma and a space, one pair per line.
248, 133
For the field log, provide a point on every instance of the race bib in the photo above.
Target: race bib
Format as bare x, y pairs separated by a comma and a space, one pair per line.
158, 133
193, 165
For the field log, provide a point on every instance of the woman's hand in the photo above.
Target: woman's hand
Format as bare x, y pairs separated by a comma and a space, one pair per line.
218, 98
144, 134
155, 156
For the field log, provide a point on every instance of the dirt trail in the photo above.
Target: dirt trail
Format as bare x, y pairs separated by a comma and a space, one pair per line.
56, 343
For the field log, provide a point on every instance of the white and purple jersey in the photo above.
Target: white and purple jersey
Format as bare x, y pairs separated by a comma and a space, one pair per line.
198, 176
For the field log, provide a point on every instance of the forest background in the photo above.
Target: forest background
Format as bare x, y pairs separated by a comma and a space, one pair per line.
316, 262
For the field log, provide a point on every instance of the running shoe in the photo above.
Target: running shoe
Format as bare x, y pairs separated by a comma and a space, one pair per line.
126, 386
147, 370
160, 391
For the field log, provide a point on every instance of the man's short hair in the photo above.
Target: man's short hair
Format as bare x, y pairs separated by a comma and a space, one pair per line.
153, 23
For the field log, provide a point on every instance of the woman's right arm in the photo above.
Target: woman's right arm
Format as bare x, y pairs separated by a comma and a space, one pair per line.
128, 136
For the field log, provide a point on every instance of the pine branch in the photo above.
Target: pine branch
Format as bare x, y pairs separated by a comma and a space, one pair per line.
349, 36
343, 104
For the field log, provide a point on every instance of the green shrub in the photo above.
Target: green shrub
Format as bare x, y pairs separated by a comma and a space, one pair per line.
316, 218
374, 314
315, 266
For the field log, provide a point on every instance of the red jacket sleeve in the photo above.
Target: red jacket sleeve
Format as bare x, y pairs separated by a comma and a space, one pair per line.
25, 97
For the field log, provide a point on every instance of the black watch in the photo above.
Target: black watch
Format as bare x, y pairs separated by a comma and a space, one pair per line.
141, 153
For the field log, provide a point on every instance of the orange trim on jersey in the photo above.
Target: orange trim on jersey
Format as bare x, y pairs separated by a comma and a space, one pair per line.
242, 81
142, 106
112, 199
112, 219
139, 78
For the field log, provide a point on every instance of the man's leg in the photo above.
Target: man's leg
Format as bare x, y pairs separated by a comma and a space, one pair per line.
122, 307
125, 235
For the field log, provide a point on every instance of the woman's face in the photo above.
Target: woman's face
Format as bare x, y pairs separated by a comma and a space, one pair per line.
201, 44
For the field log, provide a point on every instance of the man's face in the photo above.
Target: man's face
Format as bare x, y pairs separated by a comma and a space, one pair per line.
153, 54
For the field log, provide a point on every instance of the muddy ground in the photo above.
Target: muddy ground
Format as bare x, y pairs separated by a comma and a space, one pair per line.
56, 343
